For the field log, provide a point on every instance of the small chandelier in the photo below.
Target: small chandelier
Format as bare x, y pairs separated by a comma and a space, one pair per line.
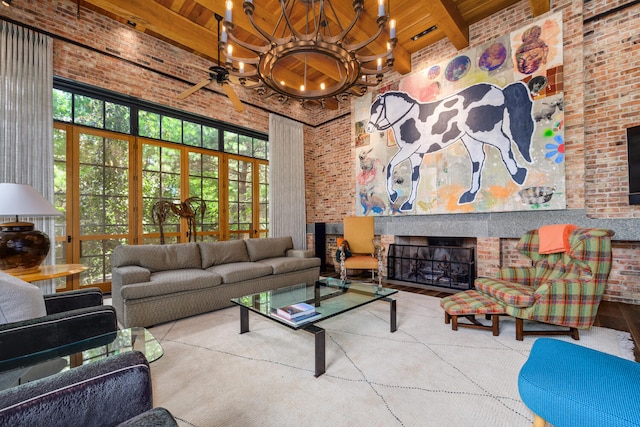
309, 53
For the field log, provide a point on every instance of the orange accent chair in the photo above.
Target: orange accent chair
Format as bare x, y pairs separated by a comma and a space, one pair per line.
366, 253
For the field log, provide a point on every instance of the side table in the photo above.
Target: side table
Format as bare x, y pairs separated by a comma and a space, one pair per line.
47, 272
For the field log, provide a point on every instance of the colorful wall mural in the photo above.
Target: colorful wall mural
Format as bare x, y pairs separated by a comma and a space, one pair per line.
480, 132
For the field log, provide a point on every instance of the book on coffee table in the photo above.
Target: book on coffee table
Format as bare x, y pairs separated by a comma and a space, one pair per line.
298, 320
295, 311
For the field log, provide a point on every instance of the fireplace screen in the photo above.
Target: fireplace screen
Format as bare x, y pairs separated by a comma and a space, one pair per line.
445, 266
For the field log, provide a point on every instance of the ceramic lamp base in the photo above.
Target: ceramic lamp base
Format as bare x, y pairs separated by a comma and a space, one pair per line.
22, 249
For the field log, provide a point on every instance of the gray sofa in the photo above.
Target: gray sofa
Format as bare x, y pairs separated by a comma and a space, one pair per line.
154, 284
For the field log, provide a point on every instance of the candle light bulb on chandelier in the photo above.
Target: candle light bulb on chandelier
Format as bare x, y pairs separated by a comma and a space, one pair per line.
229, 52
392, 29
228, 13
380, 7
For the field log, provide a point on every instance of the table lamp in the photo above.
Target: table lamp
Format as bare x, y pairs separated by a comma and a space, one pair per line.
22, 248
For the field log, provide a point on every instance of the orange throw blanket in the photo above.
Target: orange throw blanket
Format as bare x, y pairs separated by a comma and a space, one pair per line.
555, 238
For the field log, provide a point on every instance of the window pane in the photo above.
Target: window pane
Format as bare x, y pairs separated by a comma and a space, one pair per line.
192, 134
171, 129
260, 149
231, 142
210, 138
203, 183
117, 117
88, 111
246, 146
96, 254
62, 105
149, 124
160, 188
104, 187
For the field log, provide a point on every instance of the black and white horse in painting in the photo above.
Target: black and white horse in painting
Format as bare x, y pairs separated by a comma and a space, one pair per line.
478, 115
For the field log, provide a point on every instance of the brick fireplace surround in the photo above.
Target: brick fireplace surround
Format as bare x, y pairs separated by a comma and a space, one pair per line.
602, 98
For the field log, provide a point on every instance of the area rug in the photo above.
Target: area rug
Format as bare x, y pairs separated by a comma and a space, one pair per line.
424, 374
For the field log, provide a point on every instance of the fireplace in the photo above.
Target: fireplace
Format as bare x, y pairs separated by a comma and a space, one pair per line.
445, 263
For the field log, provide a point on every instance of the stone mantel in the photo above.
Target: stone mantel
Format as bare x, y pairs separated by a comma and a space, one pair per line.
500, 224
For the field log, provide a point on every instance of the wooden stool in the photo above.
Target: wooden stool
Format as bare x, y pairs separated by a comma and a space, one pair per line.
468, 304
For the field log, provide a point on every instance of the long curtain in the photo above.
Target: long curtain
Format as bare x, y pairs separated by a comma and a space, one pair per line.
286, 180
26, 116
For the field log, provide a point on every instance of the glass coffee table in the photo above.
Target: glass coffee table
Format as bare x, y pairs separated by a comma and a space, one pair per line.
39, 365
330, 297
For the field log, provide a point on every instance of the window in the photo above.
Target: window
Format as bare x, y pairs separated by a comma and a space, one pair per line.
116, 158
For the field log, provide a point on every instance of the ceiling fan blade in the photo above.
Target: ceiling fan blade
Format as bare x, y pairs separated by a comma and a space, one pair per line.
197, 67
233, 96
194, 88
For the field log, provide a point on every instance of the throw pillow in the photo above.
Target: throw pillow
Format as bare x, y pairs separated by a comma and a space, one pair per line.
555, 238
19, 300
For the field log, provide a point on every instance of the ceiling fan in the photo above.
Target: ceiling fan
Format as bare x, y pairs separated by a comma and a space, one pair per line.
221, 76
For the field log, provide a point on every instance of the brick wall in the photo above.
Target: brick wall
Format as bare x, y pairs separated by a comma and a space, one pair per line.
601, 71
602, 67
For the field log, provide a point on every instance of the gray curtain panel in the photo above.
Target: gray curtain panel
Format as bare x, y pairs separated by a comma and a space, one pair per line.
286, 180
26, 117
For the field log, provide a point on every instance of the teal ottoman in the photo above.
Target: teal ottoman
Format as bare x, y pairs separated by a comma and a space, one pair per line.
569, 385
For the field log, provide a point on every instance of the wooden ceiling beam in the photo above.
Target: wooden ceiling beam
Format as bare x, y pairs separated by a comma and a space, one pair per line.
450, 21
164, 22
539, 7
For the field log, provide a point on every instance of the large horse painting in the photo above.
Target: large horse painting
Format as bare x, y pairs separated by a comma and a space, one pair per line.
481, 131
482, 114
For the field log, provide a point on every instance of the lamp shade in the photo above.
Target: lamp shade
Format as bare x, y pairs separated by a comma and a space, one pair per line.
23, 200
22, 248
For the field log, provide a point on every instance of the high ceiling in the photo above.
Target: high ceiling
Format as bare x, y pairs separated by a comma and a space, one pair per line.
192, 25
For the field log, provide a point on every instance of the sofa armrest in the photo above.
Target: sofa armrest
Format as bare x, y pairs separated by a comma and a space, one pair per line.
23, 338
72, 300
107, 392
121, 276
300, 253
521, 275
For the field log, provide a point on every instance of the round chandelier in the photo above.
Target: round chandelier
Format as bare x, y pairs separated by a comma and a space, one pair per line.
309, 51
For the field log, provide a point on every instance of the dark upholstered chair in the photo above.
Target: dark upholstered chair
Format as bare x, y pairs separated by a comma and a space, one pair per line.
70, 317
111, 392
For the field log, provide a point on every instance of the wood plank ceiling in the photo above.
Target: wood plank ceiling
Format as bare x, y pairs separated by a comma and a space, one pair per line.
191, 25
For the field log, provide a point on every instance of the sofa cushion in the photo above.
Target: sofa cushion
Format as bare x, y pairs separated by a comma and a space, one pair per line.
216, 253
513, 294
158, 257
170, 282
271, 247
282, 265
240, 271
19, 300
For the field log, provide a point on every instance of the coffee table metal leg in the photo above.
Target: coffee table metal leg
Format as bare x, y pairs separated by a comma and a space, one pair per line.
319, 335
392, 315
244, 319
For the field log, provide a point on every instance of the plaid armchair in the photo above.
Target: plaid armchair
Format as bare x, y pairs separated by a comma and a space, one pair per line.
562, 288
